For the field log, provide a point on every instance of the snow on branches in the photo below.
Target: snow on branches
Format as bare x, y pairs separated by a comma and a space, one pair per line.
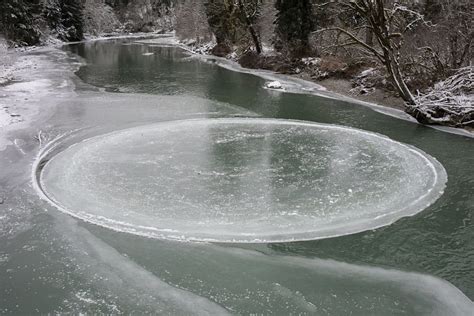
449, 102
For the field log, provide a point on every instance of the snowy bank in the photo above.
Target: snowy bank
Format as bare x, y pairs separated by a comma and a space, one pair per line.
33, 77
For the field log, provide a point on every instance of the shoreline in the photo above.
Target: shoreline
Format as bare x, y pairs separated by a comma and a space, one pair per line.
305, 86
38, 74
329, 88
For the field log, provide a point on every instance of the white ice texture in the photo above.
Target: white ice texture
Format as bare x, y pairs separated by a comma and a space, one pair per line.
241, 180
274, 85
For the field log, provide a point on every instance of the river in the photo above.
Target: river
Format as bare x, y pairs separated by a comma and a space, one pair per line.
53, 262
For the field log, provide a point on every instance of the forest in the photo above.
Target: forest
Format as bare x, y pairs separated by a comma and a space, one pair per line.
418, 52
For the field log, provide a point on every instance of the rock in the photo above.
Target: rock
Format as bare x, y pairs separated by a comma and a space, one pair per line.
221, 50
333, 66
232, 56
311, 61
250, 59
367, 80
365, 91
189, 42
274, 85
367, 72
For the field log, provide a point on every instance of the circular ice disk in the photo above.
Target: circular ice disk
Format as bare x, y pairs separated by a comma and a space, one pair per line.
241, 180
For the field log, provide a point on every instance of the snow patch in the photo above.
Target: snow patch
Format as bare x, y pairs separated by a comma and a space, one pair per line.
274, 85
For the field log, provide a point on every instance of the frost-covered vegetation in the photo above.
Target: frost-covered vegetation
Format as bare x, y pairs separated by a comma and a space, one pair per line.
406, 48
449, 102
33, 22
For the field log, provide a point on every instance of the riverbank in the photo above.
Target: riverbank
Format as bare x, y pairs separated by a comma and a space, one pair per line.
30, 73
15, 67
376, 98
28, 77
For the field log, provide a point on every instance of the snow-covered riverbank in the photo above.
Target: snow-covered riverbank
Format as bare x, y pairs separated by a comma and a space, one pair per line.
335, 89
29, 78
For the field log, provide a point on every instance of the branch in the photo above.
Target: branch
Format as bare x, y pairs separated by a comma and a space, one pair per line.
377, 54
322, 5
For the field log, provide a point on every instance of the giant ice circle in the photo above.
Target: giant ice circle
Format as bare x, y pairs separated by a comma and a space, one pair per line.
240, 180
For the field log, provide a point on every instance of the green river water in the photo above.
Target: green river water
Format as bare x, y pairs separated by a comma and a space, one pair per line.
53, 262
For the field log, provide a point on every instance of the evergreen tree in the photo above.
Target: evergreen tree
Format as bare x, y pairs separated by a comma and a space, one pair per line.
432, 9
249, 12
72, 20
294, 23
17, 21
233, 22
222, 19
65, 17
52, 14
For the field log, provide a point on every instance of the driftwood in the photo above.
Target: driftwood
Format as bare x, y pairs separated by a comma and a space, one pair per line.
449, 102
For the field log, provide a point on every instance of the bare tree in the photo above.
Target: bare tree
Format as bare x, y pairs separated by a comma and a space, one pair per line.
387, 23
453, 20
191, 22
265, 22
294, 23
233, 22
391, 23
249, 12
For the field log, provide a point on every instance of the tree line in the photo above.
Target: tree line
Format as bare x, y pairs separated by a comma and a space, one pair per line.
22, 21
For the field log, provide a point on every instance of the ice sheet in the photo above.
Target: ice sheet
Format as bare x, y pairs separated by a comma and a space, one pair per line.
241, 180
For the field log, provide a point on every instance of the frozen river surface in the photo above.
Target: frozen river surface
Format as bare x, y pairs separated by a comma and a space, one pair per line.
240, 180
147, 141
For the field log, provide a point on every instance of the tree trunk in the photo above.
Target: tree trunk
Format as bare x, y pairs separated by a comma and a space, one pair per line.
375, 15
253, 33
255, 39
306, 27
393, 69
369, 36
405, 93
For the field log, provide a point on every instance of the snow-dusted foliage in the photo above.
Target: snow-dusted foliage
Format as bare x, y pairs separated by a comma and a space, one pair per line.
65, 19
100, 18
449, 102
18, 22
